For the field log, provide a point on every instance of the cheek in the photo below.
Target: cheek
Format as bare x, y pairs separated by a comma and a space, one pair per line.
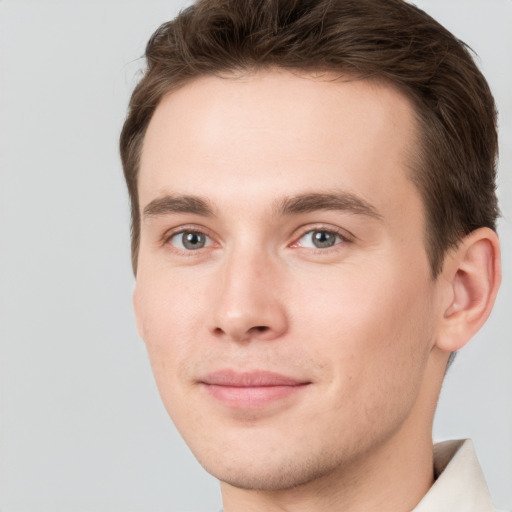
375, 327
164, 302
166, 316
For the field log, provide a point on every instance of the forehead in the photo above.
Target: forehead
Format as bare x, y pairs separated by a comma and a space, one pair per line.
287, 130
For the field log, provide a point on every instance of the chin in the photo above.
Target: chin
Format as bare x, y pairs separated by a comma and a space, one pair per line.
268, 474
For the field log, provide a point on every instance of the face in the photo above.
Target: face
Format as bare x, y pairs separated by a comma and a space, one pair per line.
283, 287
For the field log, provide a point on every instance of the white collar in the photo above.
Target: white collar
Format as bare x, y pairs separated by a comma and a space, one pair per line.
460, 486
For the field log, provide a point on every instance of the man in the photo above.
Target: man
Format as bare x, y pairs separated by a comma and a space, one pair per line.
313, 213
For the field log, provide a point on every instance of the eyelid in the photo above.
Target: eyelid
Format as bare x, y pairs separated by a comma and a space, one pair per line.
175, 240
345, 235
183, 228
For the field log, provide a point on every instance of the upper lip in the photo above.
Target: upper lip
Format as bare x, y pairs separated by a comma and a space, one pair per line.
246, 379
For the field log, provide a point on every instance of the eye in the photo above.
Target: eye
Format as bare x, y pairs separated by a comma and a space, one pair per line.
190, 240
319, 239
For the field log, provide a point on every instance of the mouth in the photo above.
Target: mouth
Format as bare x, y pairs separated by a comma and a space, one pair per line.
251, 390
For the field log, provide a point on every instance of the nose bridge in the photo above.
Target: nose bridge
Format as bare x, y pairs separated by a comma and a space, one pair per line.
248, 302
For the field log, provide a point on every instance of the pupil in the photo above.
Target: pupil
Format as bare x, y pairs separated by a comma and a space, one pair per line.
323, 239
193, 240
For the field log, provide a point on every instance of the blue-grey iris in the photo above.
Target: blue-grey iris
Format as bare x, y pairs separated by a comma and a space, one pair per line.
322, 239
193, 240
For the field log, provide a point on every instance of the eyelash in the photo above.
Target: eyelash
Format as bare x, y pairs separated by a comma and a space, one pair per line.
168, 236
344, 236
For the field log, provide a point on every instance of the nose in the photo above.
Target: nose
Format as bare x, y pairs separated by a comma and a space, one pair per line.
248, 304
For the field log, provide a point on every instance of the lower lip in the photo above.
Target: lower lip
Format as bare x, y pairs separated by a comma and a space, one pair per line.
251, 397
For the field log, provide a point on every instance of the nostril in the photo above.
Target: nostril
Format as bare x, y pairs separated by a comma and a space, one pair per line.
261, 328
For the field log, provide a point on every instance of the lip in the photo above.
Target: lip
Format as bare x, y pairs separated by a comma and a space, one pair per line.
251, 390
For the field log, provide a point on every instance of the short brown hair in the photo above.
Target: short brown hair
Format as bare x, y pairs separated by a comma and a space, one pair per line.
385, 39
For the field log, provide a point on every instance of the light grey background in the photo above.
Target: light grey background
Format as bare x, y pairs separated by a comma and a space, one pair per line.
81, 425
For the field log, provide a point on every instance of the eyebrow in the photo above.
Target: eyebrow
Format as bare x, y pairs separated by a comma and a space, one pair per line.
294, 205
170, 204
344, 201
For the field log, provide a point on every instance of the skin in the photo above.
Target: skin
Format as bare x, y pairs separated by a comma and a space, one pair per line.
361, 323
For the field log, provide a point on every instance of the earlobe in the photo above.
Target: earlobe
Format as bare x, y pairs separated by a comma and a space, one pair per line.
473, 275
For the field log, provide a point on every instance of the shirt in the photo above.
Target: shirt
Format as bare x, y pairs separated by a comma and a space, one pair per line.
460, 484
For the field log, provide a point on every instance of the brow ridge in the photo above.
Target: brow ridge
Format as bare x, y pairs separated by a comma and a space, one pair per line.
293, 205
170, 204
314, 201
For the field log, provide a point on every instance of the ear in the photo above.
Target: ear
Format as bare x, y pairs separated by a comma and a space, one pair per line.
471, 276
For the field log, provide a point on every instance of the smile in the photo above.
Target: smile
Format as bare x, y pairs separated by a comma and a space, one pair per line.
250, 390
